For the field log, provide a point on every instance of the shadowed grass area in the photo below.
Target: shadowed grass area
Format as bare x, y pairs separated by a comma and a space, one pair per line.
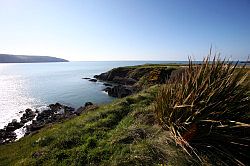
121, 133
206, 108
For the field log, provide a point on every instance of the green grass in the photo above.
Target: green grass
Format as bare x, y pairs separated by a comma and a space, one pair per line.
121, 133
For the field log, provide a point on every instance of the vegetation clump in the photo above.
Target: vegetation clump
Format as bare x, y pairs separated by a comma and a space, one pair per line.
206, 109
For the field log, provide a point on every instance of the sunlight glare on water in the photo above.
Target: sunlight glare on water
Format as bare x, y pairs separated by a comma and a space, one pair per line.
14, 97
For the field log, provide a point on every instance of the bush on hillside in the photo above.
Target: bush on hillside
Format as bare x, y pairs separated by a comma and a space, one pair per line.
206, 108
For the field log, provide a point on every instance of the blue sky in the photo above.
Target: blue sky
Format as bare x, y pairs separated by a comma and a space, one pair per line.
125, 29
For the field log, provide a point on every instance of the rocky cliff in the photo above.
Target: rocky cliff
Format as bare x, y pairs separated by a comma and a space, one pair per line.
128, 80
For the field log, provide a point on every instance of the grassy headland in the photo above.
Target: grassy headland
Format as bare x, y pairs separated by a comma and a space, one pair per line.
139, 130
121, 133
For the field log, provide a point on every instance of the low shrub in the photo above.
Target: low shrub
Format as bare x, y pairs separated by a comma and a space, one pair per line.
206, 108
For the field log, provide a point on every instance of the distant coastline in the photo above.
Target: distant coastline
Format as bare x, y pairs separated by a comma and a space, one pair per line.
8, 58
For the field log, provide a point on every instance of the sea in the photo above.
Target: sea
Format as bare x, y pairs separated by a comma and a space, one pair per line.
36, 85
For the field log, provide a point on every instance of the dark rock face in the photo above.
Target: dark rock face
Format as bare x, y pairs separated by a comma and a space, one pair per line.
121, 77
120, 91
109, 76
124, 81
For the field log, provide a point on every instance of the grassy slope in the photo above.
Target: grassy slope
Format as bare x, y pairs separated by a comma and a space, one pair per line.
120, 133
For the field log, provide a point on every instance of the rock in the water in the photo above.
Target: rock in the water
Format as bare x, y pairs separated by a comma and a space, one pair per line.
12, 126
27, 116
107, 89
107, 84
55, 107
55, 113
93, 80
88, 103
7, 134
86, 78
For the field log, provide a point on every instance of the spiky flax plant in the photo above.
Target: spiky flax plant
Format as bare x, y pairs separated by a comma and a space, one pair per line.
206, 108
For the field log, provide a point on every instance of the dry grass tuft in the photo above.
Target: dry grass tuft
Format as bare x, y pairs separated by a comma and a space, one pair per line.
206, 108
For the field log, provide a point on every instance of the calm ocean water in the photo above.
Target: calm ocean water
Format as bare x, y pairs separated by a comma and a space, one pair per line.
35, 85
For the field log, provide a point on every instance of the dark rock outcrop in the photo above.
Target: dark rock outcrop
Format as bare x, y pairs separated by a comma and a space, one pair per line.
55, 113
7, 136
109, 76
120, 91
124, 81
106, 89
107, 84
27, 116
129, 80
88, 104
8, 133
93, 80
12, 126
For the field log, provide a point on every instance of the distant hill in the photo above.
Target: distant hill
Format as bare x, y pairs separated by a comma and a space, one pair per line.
7, 58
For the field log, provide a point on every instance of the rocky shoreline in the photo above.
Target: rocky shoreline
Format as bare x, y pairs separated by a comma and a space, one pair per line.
120, 82
32, 121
